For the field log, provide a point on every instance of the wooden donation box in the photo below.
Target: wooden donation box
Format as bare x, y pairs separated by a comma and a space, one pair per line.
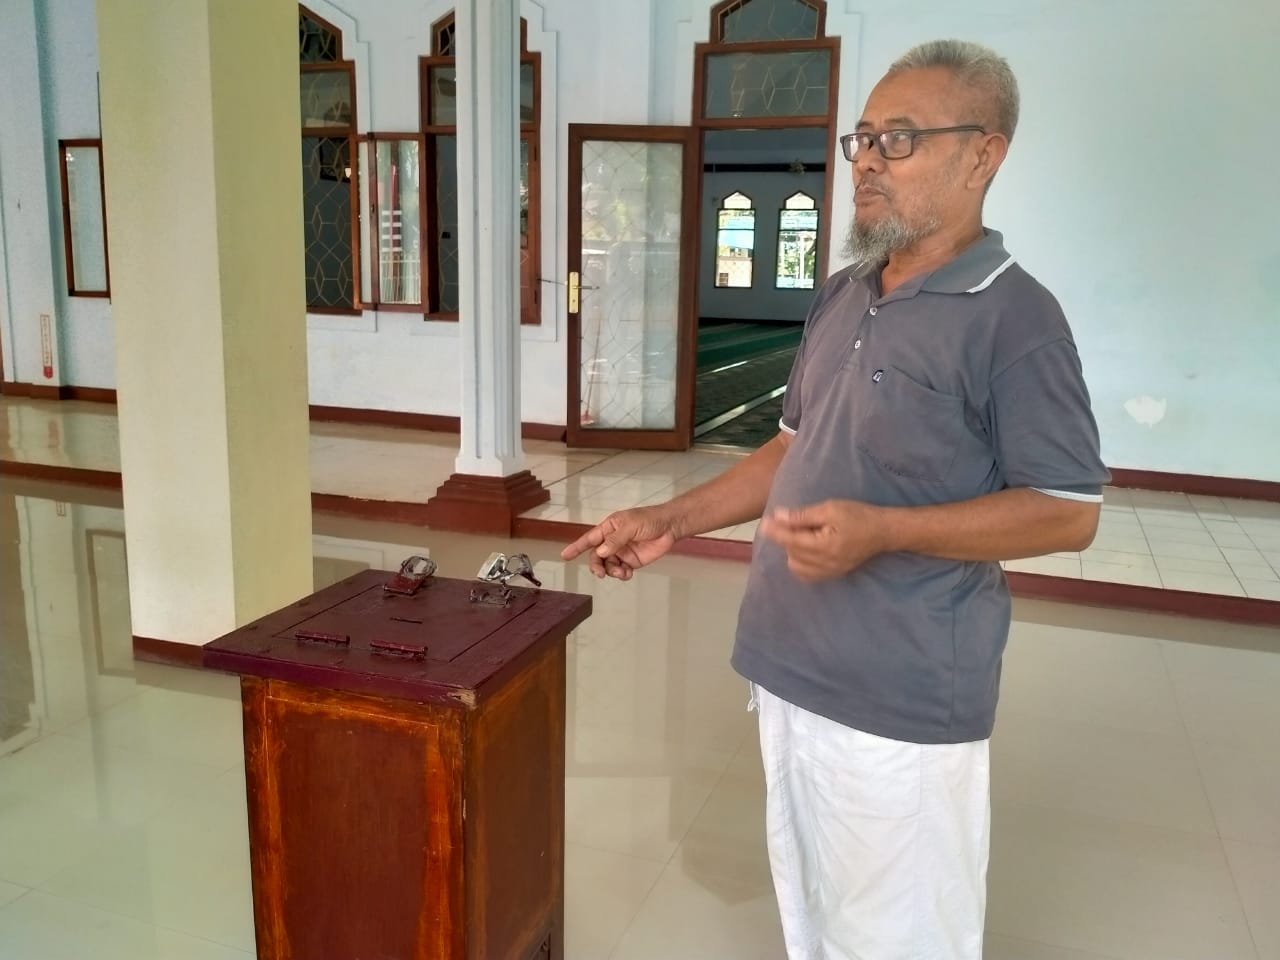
404, 752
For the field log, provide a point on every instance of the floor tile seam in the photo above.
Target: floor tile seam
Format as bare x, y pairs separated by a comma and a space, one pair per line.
1195, 756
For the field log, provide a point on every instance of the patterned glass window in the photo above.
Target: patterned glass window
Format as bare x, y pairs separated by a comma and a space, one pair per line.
735, 241
317, 41
746, 21
797, 243
439, 120
330, 204
791, 83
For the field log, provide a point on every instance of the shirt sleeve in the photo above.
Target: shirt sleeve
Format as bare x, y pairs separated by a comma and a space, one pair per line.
790, 421
1045, 434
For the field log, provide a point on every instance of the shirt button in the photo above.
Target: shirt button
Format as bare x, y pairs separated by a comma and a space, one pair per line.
872, 311
857, 344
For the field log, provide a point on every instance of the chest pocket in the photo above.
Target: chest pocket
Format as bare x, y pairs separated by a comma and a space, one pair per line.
909, 429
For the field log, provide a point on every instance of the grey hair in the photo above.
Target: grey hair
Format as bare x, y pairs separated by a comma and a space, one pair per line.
978, 67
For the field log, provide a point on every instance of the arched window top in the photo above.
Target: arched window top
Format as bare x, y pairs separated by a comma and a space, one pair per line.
444, 33
753, 21
318, 40
736, 201
800, 201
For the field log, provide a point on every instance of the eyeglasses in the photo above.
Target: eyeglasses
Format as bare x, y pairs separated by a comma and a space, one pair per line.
895, 144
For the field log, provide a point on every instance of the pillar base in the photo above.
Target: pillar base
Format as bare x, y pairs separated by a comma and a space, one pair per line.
469, 503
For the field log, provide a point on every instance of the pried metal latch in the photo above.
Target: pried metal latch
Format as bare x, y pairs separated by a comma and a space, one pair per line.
414, 572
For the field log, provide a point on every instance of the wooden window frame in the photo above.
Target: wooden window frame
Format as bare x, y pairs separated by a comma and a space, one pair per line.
530, 133
375, 302
353, 148
95, 142
703, 123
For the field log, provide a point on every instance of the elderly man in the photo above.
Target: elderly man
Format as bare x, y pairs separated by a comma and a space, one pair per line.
936, 422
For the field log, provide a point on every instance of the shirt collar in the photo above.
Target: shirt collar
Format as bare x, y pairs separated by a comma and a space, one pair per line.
971, 272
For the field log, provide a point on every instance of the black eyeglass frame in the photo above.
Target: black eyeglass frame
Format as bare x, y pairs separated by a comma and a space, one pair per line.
851, 143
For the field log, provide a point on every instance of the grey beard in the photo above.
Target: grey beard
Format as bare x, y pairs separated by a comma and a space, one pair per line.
874, 242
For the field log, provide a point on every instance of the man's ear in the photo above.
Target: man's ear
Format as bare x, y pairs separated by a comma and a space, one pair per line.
991, 153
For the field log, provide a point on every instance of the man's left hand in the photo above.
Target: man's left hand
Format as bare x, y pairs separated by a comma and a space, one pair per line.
829, 539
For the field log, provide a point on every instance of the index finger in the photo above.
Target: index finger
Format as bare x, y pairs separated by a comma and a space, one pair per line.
588, 541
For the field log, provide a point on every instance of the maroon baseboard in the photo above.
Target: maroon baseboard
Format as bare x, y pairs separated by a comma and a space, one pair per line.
422, 421
51, 391
106, 479
168, 652
391, 511
1184, 603
1235, 487
91, 394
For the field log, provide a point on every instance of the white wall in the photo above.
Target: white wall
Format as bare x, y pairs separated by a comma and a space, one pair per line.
1162, 245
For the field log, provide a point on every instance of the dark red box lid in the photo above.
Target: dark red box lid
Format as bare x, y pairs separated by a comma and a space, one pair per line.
436, 645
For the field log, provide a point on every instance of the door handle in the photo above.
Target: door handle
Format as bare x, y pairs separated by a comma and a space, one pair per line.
575, 287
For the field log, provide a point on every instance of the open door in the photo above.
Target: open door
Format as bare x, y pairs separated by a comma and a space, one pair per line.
632, 252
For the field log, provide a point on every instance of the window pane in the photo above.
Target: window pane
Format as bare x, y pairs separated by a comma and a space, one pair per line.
526, 93
446, 187
797, 249
751, 20
792, 84
88, 230
735, 247
316, 44
326, 207
399, 220
444, 96
326, 98
630, 308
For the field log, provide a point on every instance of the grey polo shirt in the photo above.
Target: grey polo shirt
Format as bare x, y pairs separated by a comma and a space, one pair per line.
957, 384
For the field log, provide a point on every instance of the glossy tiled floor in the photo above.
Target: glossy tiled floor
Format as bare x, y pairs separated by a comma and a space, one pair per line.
1136, 783
1170, 540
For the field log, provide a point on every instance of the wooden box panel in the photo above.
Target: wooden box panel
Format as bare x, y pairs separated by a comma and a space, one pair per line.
355, 825
514, 783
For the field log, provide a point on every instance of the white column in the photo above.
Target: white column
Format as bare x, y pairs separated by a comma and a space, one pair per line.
204, 208
488, 51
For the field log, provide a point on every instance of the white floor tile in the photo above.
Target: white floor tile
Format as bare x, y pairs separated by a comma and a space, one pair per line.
1244, 790
1139, 576
603, 894
1257, 872
1041, 679
1217, 568
1047, 566
41, 927
164, 872
1261, 589
635, 801
699, 912
1091, 770
202, 729
1118, 557
1227, 696
1227, 586
998, 947
1115, 889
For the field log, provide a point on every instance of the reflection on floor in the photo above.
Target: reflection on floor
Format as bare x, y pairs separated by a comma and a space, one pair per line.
1169, 540
1136, 790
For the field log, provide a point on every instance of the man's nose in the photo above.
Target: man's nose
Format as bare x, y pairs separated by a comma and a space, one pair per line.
868, 161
